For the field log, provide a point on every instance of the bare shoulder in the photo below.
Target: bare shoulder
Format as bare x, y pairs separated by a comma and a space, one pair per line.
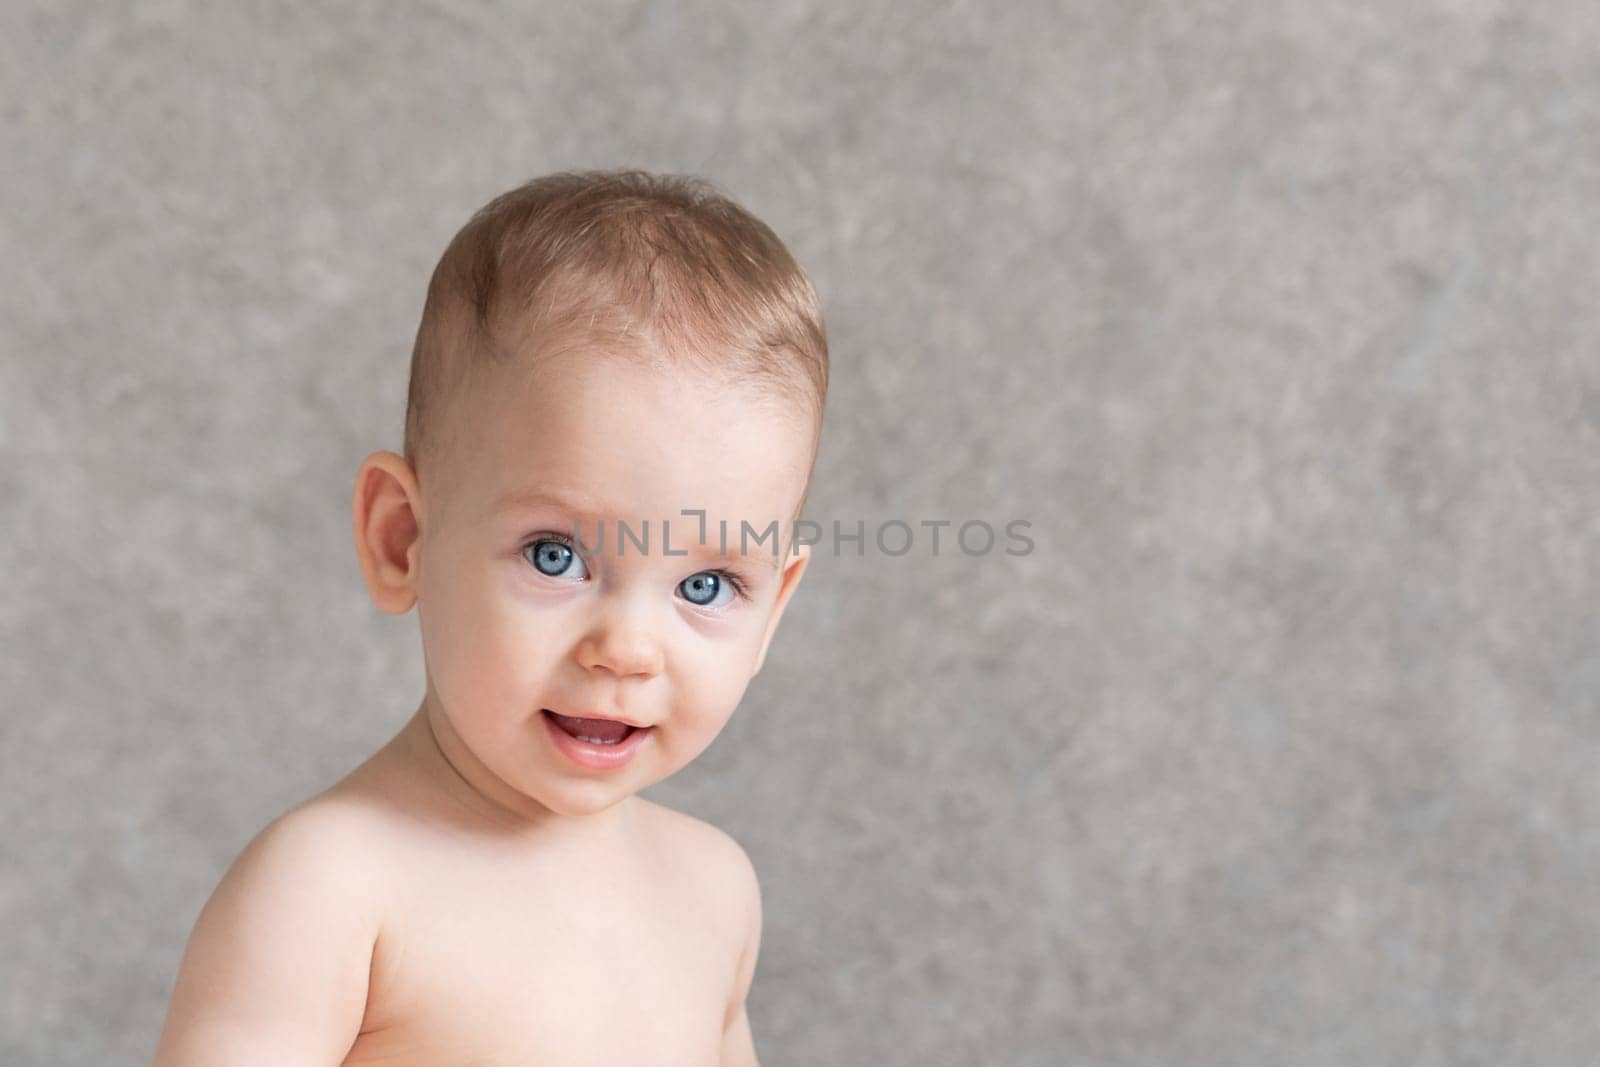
706, 855
724, 880
276, 966
329, 840
318, 862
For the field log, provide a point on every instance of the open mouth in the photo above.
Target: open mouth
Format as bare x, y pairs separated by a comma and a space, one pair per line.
592, 731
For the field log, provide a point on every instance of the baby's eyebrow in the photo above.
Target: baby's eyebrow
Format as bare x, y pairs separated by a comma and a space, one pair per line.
684, 540
766, 557
518, 499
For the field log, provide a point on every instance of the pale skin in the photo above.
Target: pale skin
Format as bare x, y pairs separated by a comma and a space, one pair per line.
471, 894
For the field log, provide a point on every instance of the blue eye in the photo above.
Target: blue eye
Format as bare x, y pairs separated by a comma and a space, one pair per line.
703, 589
555, 559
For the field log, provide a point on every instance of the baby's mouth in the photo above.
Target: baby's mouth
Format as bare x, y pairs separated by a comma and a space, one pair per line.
594, 731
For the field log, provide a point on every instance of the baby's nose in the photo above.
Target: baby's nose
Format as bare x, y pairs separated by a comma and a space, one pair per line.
624, 646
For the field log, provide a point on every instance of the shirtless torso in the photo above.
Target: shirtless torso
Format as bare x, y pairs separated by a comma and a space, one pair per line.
491, 947
582, 952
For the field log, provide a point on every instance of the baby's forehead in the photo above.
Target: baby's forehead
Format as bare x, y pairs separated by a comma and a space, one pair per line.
627, 445
635, 422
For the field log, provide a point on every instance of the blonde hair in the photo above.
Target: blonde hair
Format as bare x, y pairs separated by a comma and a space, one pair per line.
636, 261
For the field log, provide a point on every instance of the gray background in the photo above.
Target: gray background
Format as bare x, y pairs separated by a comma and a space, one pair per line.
1277, 321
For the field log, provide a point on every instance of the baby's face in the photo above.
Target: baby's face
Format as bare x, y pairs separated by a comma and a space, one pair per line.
517, 623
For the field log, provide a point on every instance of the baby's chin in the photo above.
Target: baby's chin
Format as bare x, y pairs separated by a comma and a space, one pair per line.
579, 803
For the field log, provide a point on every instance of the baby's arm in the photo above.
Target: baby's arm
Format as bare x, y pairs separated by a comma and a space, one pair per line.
276, 968
738, 1046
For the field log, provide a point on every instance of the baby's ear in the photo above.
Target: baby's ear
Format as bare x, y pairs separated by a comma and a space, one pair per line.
790, 579
388, 543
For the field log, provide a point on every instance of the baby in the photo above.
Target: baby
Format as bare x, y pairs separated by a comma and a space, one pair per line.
615, 404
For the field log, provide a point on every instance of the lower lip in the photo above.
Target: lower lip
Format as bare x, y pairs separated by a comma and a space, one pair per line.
592, 756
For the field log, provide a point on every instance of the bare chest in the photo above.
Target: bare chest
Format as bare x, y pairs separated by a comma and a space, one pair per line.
486, 968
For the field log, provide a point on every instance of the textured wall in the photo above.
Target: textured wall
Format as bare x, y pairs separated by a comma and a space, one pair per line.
1277, 321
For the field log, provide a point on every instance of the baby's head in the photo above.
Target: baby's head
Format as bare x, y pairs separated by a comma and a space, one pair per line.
635, 360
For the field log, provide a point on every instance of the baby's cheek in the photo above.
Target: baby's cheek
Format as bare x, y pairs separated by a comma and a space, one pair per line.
470, 646
519, 661
711, 695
